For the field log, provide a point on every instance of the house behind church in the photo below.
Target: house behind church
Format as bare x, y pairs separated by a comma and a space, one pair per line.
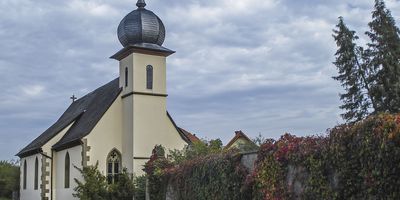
116, 125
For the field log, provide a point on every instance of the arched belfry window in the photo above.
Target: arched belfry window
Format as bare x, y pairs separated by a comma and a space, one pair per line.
36, 183
126, 77
67, 170
24, 174
113, 166
149, 77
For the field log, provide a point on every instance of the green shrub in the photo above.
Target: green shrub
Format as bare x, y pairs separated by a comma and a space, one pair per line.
93, 186
140, 187
9, 178
154, 169
123, 188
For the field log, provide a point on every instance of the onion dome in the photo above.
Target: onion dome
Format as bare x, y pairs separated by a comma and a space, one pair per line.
141, 26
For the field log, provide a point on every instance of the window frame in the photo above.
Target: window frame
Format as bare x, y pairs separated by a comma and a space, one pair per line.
149, 77
113, 158
36, 179
24, 175
67, 170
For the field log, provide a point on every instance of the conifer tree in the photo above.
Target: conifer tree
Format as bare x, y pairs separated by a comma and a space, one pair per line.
371, 77
352, 74
384, 55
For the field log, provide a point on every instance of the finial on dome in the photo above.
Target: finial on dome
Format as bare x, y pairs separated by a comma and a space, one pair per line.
141, 4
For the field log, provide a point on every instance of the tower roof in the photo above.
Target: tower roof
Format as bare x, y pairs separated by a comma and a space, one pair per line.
141, 26
141, 31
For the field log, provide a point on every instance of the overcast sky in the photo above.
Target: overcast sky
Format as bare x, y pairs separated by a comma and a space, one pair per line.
261, 66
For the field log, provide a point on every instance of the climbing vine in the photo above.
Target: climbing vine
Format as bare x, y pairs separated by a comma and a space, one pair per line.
217, 176
202, 172
359, 161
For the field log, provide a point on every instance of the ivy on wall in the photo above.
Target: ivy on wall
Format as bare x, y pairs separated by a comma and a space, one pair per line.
360, 161
216, 175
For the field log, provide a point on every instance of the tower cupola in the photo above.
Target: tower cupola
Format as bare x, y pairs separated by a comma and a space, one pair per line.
141, 26
141, 29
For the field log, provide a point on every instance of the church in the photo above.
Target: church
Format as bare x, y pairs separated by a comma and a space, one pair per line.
116, 125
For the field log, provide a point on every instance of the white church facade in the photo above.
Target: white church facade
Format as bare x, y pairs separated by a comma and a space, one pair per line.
116, 125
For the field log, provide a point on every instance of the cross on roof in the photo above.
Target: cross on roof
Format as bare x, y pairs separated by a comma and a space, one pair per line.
73, 98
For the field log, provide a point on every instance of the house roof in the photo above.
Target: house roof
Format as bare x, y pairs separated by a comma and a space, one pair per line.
192, 137
238, 135
83, 113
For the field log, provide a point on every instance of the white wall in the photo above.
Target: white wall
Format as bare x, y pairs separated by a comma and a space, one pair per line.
127, 114
140, 62
29, 193
145, 122
62, 193
152, 126
106, 135
127, 133
137, 64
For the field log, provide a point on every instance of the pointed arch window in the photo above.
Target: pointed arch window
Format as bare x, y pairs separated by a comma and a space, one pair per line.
36, 181
126, 77
24, 175
149, 77
67, 171
113, 166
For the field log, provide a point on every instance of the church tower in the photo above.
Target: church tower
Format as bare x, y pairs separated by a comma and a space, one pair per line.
142, 67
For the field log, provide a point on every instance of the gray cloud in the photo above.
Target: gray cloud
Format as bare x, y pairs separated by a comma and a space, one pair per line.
263, 66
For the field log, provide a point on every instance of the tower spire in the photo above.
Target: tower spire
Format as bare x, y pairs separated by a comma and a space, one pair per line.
141, 4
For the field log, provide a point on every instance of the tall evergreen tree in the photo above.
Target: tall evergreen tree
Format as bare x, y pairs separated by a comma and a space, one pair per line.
384, 55
352, 74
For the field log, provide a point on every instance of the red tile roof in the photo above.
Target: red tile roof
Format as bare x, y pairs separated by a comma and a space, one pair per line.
190, 136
